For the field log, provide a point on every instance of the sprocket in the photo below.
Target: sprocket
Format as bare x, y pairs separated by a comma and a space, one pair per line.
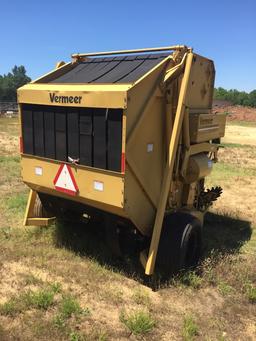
207, 197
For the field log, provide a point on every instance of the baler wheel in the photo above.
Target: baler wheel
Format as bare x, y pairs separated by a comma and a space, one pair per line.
180, 244
38, 210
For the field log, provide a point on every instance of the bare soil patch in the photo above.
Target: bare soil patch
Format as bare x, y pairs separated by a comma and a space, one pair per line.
238, 113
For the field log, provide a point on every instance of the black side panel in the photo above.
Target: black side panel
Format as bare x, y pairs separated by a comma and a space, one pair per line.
99, 139
61, 138
86, 137
73, 134
49, 135
27, 132
114, 139
38, 117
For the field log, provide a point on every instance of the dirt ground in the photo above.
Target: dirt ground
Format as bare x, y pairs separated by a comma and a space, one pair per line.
238, 113
60, 283
240, 134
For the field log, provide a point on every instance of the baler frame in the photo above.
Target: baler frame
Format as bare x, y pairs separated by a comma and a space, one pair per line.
181, 60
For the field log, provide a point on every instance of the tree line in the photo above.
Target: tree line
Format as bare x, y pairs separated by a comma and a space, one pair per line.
236, 97
10, 82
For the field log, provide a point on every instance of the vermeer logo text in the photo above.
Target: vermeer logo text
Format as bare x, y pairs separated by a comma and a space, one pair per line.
65, 99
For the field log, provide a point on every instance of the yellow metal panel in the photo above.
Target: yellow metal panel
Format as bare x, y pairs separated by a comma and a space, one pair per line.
140, 94
40, 221
169, 167
113, 184
137, 205
145, 151
86, 95
205, 127
30, 206
201, 84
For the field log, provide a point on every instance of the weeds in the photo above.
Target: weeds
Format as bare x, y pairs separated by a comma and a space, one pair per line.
190, 329
138, 323
74, 336
191, 279
141, 296
250, 291
10, 308
59, 321
56, 287
69, 306
224, 288
42, 299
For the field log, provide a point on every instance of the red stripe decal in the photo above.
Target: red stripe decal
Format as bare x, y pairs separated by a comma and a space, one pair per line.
58, 174
21, 144
64, 190
123, 163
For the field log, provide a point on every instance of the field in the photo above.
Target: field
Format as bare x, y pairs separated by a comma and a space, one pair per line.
60, 283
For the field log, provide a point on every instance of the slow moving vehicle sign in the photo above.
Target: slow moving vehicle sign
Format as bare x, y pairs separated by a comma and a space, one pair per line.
64, 180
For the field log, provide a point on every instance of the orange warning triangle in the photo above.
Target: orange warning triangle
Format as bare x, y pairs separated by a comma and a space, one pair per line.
64, 180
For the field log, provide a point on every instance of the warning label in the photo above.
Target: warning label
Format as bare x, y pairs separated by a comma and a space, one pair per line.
64, 180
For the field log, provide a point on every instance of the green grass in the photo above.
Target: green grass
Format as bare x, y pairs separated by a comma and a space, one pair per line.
70, 306
242, 123
250, 290
41, 299
17, 203
141, 296
190, 329
190, 279
224, 288
10, 308
237, 145
10, 166
225, 171
75, 336
139, 323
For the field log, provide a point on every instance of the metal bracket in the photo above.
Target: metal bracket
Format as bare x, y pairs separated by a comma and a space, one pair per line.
29, 218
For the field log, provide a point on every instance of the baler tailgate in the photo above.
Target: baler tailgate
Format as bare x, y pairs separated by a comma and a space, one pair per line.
92, 135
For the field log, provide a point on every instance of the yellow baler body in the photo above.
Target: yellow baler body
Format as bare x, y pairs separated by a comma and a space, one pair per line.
156, 107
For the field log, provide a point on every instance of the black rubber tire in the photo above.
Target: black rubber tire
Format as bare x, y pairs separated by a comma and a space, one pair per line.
180, 244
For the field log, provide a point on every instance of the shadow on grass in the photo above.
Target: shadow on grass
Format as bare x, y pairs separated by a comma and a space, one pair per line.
222, 235
88, 240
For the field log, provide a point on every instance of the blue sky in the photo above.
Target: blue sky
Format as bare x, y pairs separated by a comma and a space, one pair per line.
39, 33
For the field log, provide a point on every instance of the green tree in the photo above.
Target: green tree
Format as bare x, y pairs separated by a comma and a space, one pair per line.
11, 82
252, 98
236, 97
